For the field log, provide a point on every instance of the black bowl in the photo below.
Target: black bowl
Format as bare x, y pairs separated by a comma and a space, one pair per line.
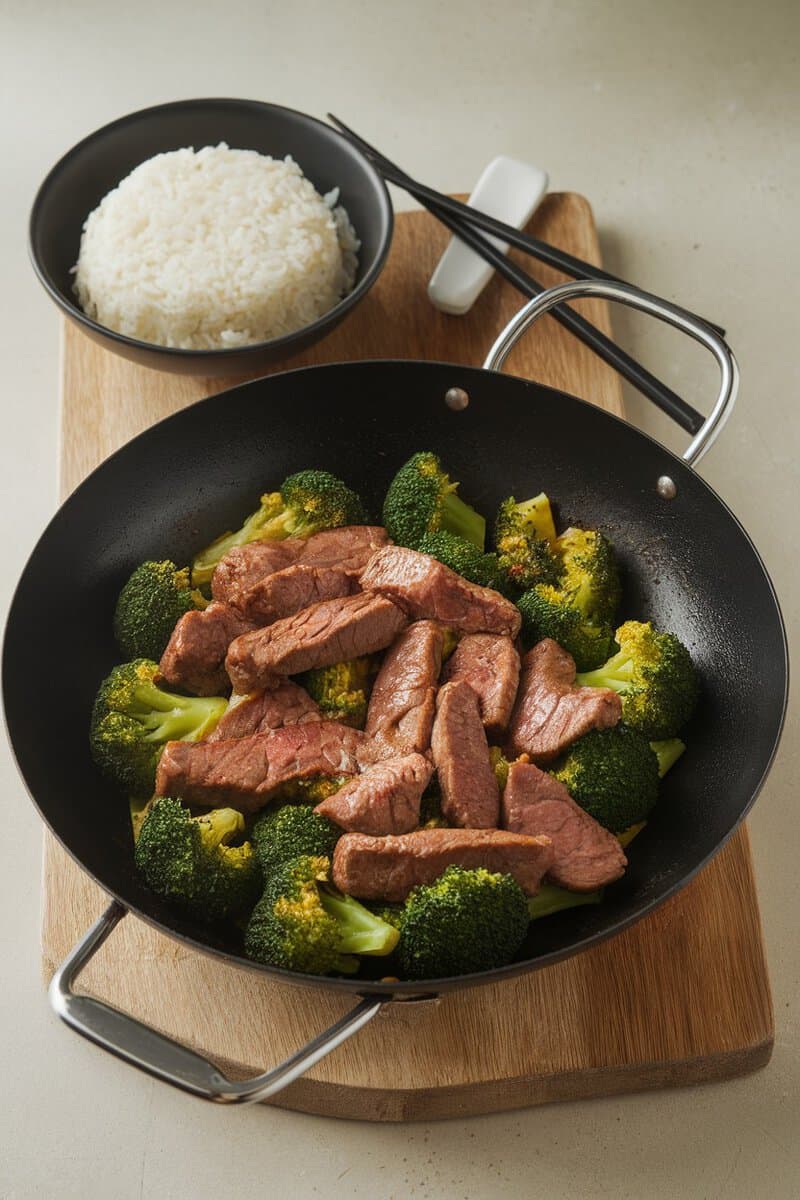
78, 182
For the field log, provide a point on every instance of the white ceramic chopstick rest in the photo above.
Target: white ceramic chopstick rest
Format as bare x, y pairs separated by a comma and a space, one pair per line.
509, 190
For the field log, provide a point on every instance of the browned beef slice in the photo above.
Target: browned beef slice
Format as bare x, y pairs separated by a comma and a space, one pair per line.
326, 633
348, 548
195, 655
423, 587
387, 868
285, 592
550, 712
385, 799
258, 712
489, 663
246, 772
470, 796
403, 700
586, 856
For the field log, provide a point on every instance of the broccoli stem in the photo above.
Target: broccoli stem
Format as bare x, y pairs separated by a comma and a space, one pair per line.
458, 518
361, 931
551, 899
220, 825
615, 674
185, 718
667, 752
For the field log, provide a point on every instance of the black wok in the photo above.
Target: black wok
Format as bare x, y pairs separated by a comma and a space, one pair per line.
688, 564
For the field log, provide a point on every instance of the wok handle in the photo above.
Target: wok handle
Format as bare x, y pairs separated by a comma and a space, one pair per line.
634, 298
166, 1059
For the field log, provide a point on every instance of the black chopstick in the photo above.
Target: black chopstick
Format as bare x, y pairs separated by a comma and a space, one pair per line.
551, 255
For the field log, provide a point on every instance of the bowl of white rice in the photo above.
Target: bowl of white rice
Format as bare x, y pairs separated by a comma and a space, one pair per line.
210, 237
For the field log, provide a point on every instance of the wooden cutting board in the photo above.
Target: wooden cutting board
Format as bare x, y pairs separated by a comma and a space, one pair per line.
682, 997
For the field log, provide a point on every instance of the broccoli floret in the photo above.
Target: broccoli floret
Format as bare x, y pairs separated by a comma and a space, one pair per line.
150, 605
422, 499
342, 691
465, 559
591, 575
132, 719
307, 502
392, 914
467, 920
524, 555
667, 752
189, 860
654, 674
500, 765
551, 899
613, 775
290, 832
549, 612
430, 809
302, 923
311, 790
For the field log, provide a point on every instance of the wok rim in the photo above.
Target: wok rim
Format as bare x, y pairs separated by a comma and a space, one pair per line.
408, 989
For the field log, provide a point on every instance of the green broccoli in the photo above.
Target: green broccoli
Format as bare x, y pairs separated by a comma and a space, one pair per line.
591, 574
500, 765
312, 789
422, 499
465, 559
549, 612
190, 862
613, 775
667, 752
467, 920
551, 899
654, 674
524, 555
302, 923
430, 809
289, 832
132, 719
342, 691
308, 502
149, 607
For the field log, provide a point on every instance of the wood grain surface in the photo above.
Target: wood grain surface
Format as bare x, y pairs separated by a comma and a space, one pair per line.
682, 997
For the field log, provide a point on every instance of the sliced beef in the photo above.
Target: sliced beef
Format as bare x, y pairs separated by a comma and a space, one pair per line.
586, 856
385, 799
403, 700
387, 868
348, 548
245, 772
259, 712
326, 633
489, 663
550, 712
195, 655
286, 592
423, 587
470, 795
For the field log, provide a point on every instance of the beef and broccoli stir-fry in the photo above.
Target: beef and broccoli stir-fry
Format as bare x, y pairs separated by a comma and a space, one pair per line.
343, 740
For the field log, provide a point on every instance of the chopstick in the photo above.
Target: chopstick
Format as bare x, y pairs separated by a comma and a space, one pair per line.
551, 255
662, 396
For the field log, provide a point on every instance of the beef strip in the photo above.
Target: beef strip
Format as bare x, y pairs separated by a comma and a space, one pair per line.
489, 663
403, 700
326, 633
259, 712
586, 856
387, 868
195, 655
423, 587
347, 548
246, 772
385, 799
286, 592
550, 712
470, 796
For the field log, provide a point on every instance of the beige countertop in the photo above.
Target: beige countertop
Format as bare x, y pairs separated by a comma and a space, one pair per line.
679, 122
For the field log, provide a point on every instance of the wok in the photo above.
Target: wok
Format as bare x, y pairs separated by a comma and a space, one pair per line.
687, 562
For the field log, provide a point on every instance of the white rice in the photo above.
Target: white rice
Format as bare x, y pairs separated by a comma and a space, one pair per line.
214, 249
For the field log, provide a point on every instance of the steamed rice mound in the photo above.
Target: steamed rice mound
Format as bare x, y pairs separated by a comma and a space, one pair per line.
214, 249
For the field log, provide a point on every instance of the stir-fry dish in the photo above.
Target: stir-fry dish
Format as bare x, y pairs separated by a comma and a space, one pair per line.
343, 740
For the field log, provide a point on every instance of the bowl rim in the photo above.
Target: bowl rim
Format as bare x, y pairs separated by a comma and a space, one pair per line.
339, 310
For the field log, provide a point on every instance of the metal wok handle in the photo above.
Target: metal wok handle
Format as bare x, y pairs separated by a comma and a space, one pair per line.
136, 1043
625, 294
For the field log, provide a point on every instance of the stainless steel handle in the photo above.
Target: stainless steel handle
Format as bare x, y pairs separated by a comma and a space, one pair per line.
158, 1055
634, 298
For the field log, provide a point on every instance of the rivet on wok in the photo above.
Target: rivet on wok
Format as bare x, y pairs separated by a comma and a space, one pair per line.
456, 398
666, 487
